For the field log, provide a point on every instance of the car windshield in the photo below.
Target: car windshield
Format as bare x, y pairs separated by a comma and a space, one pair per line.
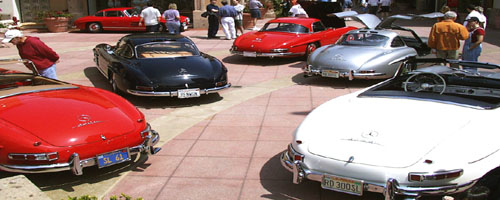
474, 84
166, 50
363, 39
285, 27
131, 12
16, 78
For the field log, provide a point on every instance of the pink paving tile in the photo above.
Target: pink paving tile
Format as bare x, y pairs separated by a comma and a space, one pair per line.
288, 109
283, 120
222, 148
261, 69
204, 122
203, 189
292, 100
269, 149
212, 167
275, 189
230, 133
146, 187
328, 195
328, 92
247, 110
268, 169
192, 133
260, 100
320, 100
176, 147
255, 78
292, 91
158, 166
276, 133
236, 120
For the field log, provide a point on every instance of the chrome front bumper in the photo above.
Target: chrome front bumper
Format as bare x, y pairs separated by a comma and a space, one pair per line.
390, 189
76, 165
272, 55
308, 71
174, 93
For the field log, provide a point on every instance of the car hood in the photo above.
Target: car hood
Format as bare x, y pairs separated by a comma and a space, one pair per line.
345, 57
266, 40
162, 70
381, 131
67, 117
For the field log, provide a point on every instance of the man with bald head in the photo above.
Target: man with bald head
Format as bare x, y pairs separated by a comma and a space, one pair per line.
445, 36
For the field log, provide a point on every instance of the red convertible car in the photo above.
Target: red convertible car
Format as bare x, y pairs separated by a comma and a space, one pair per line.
287, 37
118, 19
48, 125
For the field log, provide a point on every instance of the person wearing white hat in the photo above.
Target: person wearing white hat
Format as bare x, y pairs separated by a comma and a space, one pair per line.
32, 48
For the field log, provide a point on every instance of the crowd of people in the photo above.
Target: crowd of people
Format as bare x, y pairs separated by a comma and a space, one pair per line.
444, 37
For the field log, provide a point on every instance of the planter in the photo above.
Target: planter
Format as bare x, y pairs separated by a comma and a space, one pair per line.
57, 24
247, 21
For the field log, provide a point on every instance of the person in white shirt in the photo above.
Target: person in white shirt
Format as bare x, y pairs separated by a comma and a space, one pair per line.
151, 17
238, 20
385, 6
473, 13
297, 10
372, 6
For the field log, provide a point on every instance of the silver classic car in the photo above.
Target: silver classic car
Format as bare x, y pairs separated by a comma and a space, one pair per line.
374, 52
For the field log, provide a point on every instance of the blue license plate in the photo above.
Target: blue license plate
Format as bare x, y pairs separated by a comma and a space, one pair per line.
112, 158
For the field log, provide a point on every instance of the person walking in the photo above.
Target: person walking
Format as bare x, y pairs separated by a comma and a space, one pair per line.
297, 10
227, 14
172, 18
472, 46
238, 20
32, 48
151, 17
254, 6
445, 37
213, 19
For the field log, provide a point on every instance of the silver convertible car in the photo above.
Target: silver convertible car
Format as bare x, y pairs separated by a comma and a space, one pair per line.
427, 131
374, 52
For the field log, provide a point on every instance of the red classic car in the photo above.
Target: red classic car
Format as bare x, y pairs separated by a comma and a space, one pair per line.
287, 37
47, 125
118, 19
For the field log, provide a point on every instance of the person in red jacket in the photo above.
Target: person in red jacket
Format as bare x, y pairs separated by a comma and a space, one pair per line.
32, 48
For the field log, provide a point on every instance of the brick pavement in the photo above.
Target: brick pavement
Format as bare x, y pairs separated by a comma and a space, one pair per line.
215, 147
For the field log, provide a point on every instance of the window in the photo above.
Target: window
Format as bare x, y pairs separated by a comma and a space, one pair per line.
285, 27
318, 26
99, 14
114, 14
124, 50
397, 42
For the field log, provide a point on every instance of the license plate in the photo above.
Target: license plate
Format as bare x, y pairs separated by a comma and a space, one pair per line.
330, 73
112, 158
249, 54
345, 185
188, 93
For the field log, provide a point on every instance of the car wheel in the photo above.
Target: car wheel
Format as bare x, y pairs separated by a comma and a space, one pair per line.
94, 27
310, 48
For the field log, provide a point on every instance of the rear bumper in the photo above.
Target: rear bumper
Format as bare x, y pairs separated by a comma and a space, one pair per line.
308, 71
76, 165
389, 189
271, 55
174, 93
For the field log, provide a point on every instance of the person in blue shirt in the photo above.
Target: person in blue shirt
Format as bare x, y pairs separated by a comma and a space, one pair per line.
227, 14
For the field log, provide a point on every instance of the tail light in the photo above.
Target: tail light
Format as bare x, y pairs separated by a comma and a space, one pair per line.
146, 131
440, 175
295, 155
34, 156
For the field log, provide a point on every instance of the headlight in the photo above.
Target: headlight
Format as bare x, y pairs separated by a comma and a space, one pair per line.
279, 50
34, 156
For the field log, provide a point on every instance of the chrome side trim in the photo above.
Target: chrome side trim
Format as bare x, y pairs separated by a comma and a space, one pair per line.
76, 165
174, 93
389, 190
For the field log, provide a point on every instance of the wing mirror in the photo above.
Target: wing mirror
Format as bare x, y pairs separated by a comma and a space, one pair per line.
109, 49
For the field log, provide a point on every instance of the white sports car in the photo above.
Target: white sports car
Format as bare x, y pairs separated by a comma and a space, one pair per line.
429, 131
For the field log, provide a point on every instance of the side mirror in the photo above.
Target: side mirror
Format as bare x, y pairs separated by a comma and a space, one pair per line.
109, 49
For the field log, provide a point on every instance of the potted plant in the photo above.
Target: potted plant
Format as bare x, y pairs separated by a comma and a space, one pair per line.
56, 21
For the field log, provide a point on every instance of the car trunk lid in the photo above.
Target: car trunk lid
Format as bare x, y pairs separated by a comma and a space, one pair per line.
333, 58
365, 138
81, 116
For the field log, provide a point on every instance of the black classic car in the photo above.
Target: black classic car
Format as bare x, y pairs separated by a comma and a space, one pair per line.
153, 64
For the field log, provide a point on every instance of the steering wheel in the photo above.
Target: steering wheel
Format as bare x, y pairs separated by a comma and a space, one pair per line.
425, 81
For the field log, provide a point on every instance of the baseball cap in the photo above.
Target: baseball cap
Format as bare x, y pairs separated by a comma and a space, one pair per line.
10, 34
473, 19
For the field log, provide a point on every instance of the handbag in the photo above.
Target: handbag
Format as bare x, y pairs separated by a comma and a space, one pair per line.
204, 14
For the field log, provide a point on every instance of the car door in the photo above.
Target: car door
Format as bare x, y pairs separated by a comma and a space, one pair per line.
113, 20
130, 20
318, 32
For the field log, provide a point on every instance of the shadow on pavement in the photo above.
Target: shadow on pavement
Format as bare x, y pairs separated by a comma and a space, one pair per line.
260, 61
99, 81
